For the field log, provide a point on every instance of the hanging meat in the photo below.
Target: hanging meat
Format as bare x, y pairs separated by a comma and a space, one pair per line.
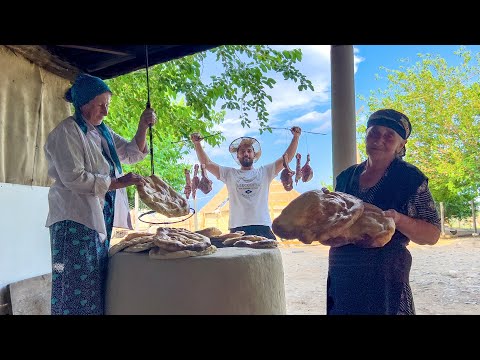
205, 184
307, 171
286, 176
195, 181
188, 184
298, 170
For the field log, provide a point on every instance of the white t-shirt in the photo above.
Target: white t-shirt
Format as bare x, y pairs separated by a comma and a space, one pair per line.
248, 194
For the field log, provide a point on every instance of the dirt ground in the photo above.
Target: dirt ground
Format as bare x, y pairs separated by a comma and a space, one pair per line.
445, 277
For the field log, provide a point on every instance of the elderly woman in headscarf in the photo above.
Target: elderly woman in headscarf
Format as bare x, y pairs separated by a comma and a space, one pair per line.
88, 196
376, 280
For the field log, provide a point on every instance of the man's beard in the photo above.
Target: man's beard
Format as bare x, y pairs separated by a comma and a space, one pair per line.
246, 162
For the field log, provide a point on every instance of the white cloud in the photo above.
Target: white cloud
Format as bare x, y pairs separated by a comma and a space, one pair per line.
231, 128
356, 59
313, 121
315, 65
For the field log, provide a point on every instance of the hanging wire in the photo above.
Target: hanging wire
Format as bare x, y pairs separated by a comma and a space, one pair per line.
204, 137
148, 107
306, 142
166, 222
308, 132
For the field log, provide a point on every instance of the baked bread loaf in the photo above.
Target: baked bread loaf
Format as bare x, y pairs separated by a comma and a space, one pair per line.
176, 239
133, 238
162, 198
372, 229
317, 216
210, 232
260, 244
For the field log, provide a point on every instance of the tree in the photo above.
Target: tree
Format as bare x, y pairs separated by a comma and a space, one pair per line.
184, 103
442, 103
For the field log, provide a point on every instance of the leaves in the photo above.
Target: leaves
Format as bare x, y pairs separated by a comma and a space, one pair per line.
443, 105
184, 103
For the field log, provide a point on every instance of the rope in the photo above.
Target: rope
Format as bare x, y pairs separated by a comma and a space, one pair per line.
148, 107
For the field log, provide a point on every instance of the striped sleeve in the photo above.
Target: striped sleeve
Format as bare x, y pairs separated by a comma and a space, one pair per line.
422, 206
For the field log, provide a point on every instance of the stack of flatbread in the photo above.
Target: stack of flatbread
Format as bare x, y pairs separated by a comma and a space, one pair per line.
238, 239
166, 243
334, 219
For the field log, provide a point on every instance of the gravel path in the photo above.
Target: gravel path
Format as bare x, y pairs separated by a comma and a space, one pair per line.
445, 277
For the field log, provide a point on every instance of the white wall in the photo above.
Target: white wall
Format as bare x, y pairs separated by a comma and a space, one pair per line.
24, 239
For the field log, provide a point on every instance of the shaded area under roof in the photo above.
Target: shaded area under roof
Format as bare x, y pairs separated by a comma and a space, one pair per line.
104, 61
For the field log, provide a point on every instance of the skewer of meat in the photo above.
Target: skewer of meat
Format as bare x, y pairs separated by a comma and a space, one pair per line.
307, 171
287, 175
205, 184
298, 170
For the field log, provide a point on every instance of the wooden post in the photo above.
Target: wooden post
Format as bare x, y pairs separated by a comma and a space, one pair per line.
442, 217
474, 217
136, 210
195, 218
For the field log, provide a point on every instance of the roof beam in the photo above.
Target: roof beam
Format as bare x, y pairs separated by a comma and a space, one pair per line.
96, 49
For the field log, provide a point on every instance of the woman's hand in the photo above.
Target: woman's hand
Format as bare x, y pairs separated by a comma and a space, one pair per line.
127, 180
147, 118
417, 230
393, 214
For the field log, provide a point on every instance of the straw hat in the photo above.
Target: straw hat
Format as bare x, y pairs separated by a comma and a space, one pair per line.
245, 141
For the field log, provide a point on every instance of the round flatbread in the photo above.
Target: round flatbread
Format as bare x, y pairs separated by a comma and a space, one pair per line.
162, 198
176, 239
131, 240
210, 232
317, 216
252, 238
140, 247
260, 244
372, 229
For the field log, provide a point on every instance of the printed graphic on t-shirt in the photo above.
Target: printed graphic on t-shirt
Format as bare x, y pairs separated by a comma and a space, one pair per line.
248, 186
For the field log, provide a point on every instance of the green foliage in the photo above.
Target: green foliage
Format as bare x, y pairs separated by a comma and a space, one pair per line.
328, 186
185, 104
443, 105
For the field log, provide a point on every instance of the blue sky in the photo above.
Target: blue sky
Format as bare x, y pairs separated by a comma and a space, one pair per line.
312, 110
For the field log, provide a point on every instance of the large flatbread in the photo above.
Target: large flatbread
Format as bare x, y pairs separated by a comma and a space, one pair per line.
372, 229
162, 198
158, 253
224, 237
259, 244
317, 216
210, 232
140, 247
131, 239
176, 239
251, 238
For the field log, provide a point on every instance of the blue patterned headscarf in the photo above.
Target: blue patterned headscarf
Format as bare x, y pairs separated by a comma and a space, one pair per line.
84, 89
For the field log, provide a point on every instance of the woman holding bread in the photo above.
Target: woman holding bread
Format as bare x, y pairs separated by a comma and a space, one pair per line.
88, 196
375, 281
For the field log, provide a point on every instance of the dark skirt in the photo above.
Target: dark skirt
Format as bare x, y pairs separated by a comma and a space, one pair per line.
369, 281
79, 265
